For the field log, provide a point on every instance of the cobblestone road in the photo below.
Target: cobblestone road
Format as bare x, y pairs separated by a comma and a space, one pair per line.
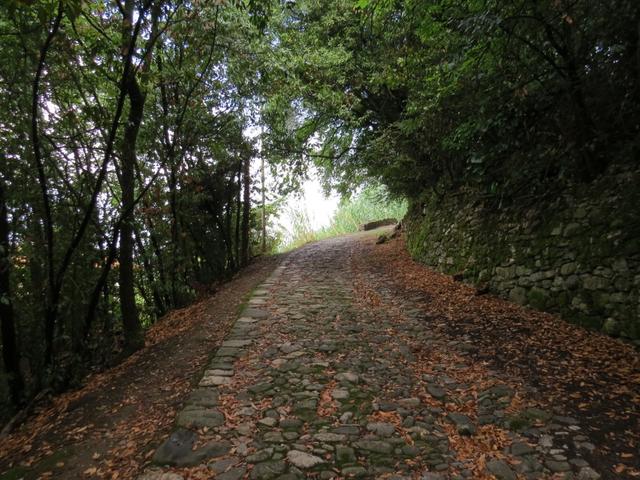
327, 375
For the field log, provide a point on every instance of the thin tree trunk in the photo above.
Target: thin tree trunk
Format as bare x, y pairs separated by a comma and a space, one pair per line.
226, 238
228, 217
638, 54
166, 296
130, 321
163, 300
238, 213
133, 338
175, 234
10, 351
264, 207
148, 270
246, 208
591, 165
169, 154
51, 309
112, 252
98, 289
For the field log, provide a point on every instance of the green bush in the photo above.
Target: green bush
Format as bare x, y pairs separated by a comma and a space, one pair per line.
373, 203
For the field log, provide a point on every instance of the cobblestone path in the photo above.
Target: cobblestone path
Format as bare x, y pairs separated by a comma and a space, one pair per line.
327, 375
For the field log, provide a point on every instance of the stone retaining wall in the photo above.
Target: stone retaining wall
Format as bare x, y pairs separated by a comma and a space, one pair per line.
577, 255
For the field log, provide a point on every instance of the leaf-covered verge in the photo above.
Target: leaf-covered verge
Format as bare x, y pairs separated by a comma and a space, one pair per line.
110, 426
592, 377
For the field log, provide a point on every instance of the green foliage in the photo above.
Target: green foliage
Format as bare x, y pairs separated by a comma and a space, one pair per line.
61, 167
508, 98
372, 203
302, 231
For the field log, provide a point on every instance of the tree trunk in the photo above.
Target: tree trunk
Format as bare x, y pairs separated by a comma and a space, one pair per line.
228, 218
638, 54
238, 214
99, 288
264, 206
177, 253
148, 270
224, 234
163, 301
51, 309
172, 181
10, 351
246, 209
130, 322
590, 164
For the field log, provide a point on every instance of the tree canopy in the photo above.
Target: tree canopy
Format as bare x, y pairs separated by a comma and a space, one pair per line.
501, 95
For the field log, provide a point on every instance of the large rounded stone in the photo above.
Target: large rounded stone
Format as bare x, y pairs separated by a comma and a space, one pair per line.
198, 417
374, 446
500, 470
303, 460
268, 470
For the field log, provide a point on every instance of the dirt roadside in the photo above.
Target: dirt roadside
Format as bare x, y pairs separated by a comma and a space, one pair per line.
108, 428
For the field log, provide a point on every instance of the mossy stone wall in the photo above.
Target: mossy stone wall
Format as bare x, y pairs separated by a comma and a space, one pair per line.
577, 254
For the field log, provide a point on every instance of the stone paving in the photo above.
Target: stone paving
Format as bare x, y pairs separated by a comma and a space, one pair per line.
312, 383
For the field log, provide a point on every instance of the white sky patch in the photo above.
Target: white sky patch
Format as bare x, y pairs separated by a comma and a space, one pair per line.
319, 208
311, 199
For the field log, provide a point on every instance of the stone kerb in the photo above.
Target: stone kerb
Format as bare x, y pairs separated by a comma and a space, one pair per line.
201, 408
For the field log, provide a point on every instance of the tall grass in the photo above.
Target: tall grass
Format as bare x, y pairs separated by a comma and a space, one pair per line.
369, 205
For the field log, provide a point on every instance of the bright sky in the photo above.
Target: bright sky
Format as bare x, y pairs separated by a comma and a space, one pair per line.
311, 199
319, 208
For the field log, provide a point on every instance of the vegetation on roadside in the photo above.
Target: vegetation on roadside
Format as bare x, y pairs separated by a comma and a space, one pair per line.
370, 204
126, 187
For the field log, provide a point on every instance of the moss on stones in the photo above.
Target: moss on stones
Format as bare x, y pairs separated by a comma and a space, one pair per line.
577, 255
